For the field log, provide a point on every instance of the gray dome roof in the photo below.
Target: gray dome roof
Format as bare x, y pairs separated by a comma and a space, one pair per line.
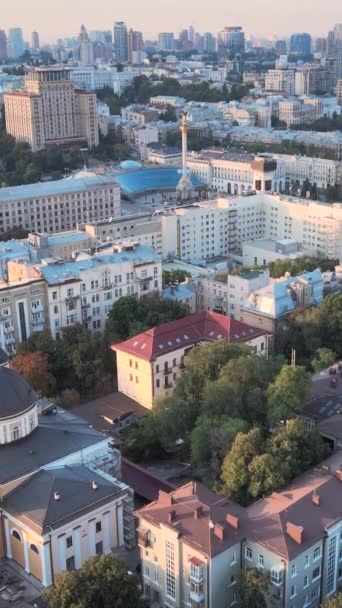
16, 395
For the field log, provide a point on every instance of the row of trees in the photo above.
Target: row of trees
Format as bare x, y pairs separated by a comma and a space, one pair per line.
296, 266
315, 334
224, 390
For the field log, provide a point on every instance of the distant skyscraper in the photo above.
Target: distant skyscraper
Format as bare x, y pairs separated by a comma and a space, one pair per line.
191, 34
321, 46
334, 50
184, 43
3, 45
120, 41
35, 41
86, 47
198, 42
300, 43
232, 40
135, 43
166, 41
281, 46
208, 42
15, 42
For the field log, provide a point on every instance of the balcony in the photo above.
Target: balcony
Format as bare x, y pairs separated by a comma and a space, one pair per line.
197, 595
167, 371
143, 540
86, 305
8, 329
72, 298
9, 340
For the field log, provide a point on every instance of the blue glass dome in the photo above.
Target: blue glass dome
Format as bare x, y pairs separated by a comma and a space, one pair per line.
130, 164
151, 179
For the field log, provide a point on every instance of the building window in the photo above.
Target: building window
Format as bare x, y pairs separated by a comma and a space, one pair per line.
99, 548
34, 548
68, 541
331, 566
293, 591
260, 561
293, 570
307, 562
130, 363
249, 553
98, 526
276, 576
16, 535
15, 433
233, 559
158, 383
317, 553
306, 581
70, 563
316, 573
170, 570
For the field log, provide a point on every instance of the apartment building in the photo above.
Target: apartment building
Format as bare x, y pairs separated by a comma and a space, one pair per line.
339, 92
184, 293
50, 111
235, 173
194, 543
320, 172
62, 500
219, 227
91, 78
59, 205
139, 114
149, 364
300, 112
261, 252
269, 306
143, 228
23, 309
280, 81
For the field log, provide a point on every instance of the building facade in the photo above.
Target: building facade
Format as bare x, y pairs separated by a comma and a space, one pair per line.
59, 205
48, 532
50, 111
149, 364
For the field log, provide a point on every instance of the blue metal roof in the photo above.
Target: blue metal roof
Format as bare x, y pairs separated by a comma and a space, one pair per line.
61, 272
151, 179
53, 188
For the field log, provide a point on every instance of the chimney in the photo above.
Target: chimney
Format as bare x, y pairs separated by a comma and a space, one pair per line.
232, 520
339, 474
219, 531
94, 484
171, 516
165, 498
295, 532
57, 495
316, 499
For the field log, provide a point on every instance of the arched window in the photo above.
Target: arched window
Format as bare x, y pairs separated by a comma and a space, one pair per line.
34, 549
16, 535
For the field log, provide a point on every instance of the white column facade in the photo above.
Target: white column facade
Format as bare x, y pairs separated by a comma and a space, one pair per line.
106, 533
46, 564
77, 545
119, 514
92, 537
8, 538
26, 553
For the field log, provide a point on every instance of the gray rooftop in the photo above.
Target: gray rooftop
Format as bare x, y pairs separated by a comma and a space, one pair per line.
16, 395
54, 188
34, 499
57, 436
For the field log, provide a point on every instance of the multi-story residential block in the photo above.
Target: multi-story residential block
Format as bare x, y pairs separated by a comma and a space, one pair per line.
23, 308
296, 112
185, 293
84, 291
219, 227
280, 81
59, 205
149, 364
260, 252
294, 536
139, 114
92, 78
319, 172
313, 79
339, 92
269, 307
84, 509
51, 111
212, 294
143, 228
240, 286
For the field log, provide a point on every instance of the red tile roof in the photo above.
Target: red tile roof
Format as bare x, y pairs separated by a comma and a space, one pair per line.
206, 325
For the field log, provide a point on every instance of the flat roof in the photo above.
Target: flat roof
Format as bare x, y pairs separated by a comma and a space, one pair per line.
14, 193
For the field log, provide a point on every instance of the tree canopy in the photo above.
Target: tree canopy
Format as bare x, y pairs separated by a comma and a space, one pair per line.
333, 602
102, 581
252, 589
288, 393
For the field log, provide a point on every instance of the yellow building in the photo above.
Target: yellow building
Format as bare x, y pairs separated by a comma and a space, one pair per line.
149, 364
60, 503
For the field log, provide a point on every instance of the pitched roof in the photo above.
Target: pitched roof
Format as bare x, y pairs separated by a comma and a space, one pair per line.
16, 395
267, 522
34, 500
190, 330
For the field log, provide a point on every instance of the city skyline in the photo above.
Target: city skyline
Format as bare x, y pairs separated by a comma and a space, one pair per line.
257, 18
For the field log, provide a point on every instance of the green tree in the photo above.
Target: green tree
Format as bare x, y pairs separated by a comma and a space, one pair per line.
324, 357
286, 396
333, 602
211, 439
172, 276
144, 442
235, 474
102, 581
265, 474
252, 589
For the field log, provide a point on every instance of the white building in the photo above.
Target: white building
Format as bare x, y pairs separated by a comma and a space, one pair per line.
84, 291
92, 78
59, 205
261, 252
280, 81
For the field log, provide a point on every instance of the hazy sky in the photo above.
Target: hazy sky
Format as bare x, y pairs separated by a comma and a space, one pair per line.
59, 18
